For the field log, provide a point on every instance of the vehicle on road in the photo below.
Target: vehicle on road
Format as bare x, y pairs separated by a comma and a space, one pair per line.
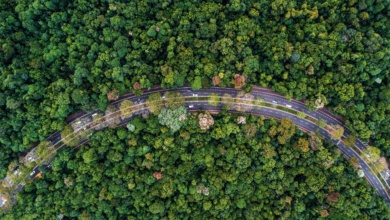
275, 102
195, 95
289, 106
190, 106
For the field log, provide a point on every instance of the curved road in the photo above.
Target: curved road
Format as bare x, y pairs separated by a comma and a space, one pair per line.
269, 97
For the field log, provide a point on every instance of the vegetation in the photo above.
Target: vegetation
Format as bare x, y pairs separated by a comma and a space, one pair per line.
154, 103
54, 61
157, 174
321, 123
59, 57
213, 99
173, 119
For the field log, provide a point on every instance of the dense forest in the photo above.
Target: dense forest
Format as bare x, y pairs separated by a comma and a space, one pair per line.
57, 57
244, 172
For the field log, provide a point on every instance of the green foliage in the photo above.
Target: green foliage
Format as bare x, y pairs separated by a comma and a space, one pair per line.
126, 108
130, 127
349, 141
89, 156
68, 136
174, 100
295, 57
55, 61
151, 31
154, 103
171, 118
301, 114
371, 153
197, 83
321, 123
157, 207
336, 131
202, 178
213, 99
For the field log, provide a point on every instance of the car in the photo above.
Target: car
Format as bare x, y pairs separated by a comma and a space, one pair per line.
289, 106
188, 90
275, 102
195, 95
32, 173
190, 106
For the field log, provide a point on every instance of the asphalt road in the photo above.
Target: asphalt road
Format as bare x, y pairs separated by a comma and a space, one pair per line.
270, 97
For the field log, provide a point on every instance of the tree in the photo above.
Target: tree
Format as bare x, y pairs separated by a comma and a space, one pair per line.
243, 161
371, 154
301, 114
213, 99
70, 138
216, 80
205, 121
157, 207
227, 100
113, 95
130, 127
45, 151
197, 83
174, 100
286, 130
239, 81
244, 101
321, 123
336, 131
302, 145
349, 141
89, 155
354, 162
126, 108
333, 197
154, 103
380, 165
151, 31
171, 118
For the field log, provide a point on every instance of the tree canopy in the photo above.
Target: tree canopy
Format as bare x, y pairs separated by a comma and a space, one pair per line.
60, 56
157, 174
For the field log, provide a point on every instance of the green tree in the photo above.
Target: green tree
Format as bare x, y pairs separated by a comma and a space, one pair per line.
336, 131
197, 83
89, 156
349, 141
126, 108
213, 99
157, 207
174, 100
321, 123
70, 138
173, 119
301, 114
154, 103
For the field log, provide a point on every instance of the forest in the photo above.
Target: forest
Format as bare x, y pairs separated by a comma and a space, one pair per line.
58, 57
245, 172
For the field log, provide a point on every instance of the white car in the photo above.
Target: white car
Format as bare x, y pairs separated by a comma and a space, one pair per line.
275, 102
195, 95
190, 106
289, 106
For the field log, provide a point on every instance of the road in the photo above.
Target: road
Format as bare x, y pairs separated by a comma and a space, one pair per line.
269, 97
